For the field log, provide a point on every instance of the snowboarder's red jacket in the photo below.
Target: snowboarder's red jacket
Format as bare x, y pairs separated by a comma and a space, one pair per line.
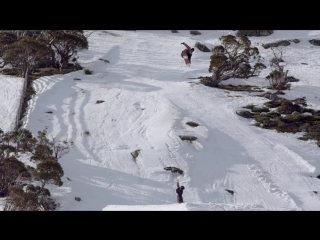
188, 49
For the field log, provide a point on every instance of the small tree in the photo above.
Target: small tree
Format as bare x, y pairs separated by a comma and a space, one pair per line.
42, 152
6, 38
28, 144
234, 58
5, 151
10, 173
42, 138
46, 148
43, 147
19, 137
66, 43
20, 200
278, 77
25, 53
59, 148
8, 137
48, 171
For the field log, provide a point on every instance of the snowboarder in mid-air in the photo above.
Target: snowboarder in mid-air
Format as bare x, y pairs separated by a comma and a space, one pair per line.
179, 192
187, 51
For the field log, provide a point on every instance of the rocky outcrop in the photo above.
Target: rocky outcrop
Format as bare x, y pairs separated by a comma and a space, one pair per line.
280, 43
195, 33
202, 47
135, 153
174, 170
188, 138
192, 124
230, 191
243, 113
255, 33
315, 42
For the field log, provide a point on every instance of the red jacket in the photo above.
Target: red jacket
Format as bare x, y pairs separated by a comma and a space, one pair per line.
188, 49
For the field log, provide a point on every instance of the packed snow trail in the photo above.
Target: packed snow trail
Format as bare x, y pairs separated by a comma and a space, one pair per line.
10, 100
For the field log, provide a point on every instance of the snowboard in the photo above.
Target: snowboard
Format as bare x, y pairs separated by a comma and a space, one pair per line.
185, 56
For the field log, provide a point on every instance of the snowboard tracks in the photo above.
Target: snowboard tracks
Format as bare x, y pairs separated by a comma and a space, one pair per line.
269, 187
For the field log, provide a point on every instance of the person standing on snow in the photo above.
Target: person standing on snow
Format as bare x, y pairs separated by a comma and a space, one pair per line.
187, 51
179, 192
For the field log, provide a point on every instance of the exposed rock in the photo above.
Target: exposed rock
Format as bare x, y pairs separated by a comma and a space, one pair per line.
276, 44
230, 191
311, 111
174, 170
174, 31
195, 33
292, 79
104, 60
77, 199
135, 153
303, 138
273, 103
265, 95
302, 101
243, 113
255, 33
188, 138
192, 124
315, 42
280, 43
271, 96
279, 93
202, 47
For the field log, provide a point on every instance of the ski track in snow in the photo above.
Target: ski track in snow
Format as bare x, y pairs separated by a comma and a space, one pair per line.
7, 107
139, 101
269, 157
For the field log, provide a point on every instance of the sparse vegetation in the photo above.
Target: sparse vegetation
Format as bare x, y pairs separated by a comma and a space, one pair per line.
256, 109
288, 116
87, 72
43, 52
16, 177
234, 58
239, 88
278, 77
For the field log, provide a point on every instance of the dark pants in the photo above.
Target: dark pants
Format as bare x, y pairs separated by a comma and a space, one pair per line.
189, 57
186, 53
